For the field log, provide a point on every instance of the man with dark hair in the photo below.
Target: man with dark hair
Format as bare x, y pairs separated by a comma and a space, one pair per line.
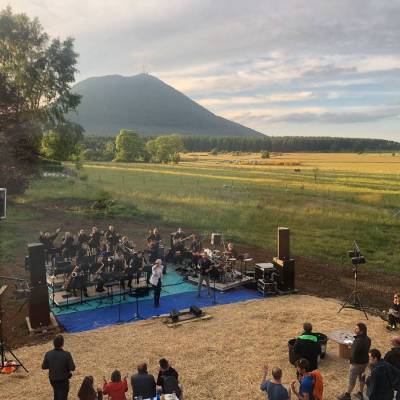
380, 382
306, 381
393, 358
307, 346
60, 365
143, 383
358, 361
394, 313
274, 388
168, 379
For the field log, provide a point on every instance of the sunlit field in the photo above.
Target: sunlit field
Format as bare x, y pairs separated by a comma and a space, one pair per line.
327, 200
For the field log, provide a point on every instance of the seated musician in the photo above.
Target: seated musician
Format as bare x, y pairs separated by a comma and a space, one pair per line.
119, 269
195, 248
112, 238
135, 268
83, 238
126, 246
153, 250
67, 246
94, 240
231, 251
154, 235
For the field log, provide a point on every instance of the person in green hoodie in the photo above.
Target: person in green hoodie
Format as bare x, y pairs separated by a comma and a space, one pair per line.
307, 346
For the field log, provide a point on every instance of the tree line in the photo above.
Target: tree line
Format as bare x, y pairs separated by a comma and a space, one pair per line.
287, 144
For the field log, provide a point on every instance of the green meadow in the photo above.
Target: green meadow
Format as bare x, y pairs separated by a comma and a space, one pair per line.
327, 203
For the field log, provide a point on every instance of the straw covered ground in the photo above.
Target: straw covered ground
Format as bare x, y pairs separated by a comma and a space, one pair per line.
219, 358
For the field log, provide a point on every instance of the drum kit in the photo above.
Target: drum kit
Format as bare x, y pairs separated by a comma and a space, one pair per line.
224, 266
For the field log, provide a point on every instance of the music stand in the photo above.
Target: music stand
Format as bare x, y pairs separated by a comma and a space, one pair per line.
119, 320
214, 271
136, 315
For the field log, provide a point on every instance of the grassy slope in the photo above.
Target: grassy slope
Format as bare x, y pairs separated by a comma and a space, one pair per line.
247, 203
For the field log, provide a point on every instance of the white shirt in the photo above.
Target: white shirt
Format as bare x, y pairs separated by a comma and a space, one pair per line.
157, 271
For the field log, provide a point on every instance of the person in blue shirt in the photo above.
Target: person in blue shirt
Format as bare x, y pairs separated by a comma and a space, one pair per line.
306, 381
274, 388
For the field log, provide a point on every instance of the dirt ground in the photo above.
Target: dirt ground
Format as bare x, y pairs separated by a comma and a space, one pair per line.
327, 281
220, 358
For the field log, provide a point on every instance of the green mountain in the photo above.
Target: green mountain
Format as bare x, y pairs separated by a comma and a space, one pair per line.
148, 106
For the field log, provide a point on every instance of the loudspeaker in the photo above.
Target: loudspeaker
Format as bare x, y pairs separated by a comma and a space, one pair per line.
37, 263
39, 309
283, 243
196, 311
286, 271
3, 203
216, 239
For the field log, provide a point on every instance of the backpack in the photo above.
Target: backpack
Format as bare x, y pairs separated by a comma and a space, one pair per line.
318, 386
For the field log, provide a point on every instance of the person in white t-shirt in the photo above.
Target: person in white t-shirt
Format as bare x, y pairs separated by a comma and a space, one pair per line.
155, 280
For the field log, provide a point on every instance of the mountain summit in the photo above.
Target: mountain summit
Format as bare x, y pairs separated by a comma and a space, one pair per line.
148, 106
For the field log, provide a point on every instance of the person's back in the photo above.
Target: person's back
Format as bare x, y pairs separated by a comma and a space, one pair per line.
379, 383
307, 346
143, 383
59, 363
275, 391
393, 357
116, 390
171, 385
273, 388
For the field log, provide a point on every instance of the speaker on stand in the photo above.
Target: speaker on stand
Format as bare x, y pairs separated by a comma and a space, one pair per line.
39, 308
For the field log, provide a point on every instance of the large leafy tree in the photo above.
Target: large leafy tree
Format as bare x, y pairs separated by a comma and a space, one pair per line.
129, 146
165, 148
62, 143
36, 73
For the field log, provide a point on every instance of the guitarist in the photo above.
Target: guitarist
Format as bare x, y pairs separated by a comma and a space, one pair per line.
205, 267
195, 248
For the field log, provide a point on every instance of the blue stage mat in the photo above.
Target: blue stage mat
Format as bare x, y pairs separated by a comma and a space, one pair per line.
109, 315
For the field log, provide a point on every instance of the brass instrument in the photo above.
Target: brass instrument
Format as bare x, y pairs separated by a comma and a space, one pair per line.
73, 275
98, 272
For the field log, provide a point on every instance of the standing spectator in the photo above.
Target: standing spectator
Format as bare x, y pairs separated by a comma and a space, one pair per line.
394, 313
60, 365
117, 388
307, 346
393, 357
380, 382
143, 383
306, 381
168, 379
87, 391
274, 388
358, 361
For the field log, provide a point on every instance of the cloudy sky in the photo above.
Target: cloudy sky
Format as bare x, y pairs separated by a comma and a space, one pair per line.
294, 67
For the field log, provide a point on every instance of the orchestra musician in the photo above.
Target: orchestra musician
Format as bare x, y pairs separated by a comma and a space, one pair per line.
196, 248
48, 239
154, 235
83, 238
127, 248
112, 238
231, 251
67, 246
94, 240
119, 269
205, 267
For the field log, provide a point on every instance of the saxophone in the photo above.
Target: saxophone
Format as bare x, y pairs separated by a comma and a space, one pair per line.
70, 278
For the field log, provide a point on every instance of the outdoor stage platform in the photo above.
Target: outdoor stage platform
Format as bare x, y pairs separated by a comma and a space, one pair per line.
222, 287
95, 312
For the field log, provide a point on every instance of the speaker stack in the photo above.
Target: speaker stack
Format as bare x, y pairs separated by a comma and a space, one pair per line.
39, 309
283, 263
